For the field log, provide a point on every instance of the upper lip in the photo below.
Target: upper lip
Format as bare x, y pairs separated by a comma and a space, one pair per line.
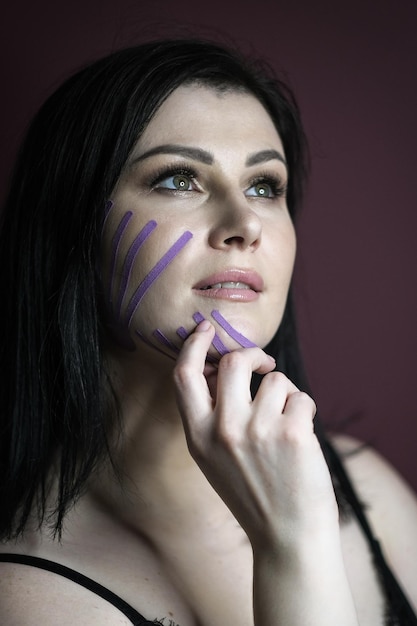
235, 275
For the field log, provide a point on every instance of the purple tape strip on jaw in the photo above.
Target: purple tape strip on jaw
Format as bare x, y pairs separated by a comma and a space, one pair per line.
154, 274
149, 343
217, 342
234, 334
165, 341
130, 259
181, 332
115, 248
198, 317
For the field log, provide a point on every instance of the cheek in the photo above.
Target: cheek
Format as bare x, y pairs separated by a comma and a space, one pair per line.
283, 249
287, 244
124, 286
132, 295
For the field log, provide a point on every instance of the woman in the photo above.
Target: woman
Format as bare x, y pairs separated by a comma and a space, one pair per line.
147, 249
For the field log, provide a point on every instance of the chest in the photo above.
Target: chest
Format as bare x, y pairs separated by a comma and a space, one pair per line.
203, 578
211, 576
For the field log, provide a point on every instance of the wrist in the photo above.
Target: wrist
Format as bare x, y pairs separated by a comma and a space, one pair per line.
303, 582
298, 538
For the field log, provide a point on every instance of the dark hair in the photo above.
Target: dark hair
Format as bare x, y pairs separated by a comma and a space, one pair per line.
54, 394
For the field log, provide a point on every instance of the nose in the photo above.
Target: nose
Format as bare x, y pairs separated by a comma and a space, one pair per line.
236, 225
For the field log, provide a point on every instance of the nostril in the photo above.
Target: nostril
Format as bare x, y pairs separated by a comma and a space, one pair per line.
236, 227
231, 240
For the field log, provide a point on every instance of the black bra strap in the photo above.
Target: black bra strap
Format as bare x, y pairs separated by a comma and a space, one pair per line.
399, 603
136, 618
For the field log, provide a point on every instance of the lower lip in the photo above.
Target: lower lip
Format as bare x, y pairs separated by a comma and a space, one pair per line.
240, 295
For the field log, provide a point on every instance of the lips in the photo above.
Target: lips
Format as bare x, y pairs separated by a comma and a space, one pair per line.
228, 285
233, 284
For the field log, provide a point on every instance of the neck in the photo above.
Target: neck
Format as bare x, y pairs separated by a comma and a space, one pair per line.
156, 474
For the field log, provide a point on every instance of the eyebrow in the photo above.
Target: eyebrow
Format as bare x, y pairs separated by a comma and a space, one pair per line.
263, 156
198, 154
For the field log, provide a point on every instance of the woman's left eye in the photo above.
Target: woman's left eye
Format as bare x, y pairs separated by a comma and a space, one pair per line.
177, 182
261, 190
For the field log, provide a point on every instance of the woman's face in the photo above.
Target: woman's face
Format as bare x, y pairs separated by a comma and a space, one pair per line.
199, 226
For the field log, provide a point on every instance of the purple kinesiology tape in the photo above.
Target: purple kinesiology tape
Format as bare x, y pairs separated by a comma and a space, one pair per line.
155, 272
115, 244
120, 322
152, 345
232, 332
124, 321
216, 343
129, 260
159, 335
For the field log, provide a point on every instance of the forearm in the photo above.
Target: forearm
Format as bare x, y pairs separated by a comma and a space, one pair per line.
303, 585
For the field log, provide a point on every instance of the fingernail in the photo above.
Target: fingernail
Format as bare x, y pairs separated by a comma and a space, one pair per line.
203, 326
271, 358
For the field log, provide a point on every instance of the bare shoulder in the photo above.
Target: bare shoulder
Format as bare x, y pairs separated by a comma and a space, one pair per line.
391, 507
31, 596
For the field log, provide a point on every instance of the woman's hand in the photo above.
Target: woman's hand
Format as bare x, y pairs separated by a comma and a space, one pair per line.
263, 459
260, 455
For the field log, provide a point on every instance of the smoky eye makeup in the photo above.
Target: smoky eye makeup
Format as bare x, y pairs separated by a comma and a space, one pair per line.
148, 178
171, 171
267, 185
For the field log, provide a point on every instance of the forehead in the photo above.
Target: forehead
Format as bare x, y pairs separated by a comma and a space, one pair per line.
196, 114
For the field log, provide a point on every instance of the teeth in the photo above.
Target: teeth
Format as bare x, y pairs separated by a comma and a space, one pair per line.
228, 285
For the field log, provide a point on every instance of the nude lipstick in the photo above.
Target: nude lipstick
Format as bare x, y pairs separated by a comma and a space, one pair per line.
242, 285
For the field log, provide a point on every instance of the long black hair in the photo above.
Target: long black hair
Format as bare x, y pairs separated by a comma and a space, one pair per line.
54, 397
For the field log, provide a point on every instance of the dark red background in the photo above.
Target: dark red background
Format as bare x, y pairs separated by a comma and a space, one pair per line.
353, 67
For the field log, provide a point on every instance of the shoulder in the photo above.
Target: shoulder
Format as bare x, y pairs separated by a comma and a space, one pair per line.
383, 490
390, 504
31, 596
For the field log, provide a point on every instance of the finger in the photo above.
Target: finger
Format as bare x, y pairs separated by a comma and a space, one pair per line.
272, 395
298, 415
210, 374
234, 377
193, 394
300, 403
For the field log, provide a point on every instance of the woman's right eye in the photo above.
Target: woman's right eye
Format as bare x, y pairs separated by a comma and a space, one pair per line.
177, 182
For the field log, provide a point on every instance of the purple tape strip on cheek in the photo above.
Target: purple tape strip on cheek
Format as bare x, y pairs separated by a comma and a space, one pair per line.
234, 334
115, 249
107, 210
130, 259
217, 342
155, 273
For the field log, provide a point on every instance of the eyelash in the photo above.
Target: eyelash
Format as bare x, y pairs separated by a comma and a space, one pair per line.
277, 185
175, 170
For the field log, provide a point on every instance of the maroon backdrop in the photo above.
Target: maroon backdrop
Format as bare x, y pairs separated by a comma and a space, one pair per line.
352, 65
